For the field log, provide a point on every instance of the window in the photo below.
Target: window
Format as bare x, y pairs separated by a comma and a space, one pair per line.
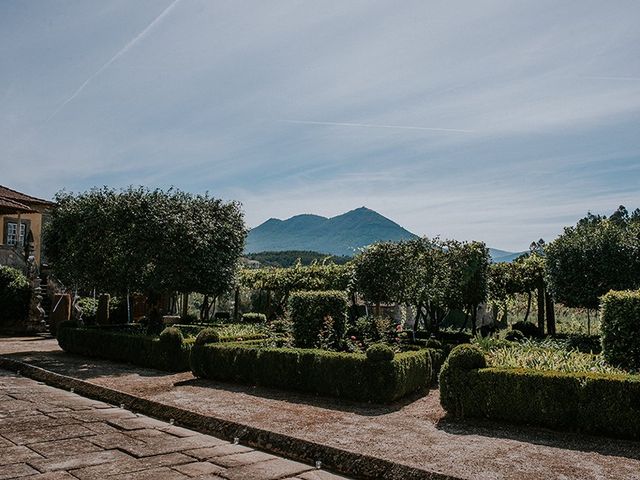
11, 229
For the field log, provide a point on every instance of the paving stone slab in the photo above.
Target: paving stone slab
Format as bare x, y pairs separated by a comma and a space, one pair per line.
195, 469
78, 461
61, 448
17, 470
267, 470
320, 475
16, 454
219, 451
240, 459
129, 466
25, 437
163, 473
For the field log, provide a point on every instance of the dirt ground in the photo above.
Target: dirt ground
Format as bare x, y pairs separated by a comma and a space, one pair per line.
414, 431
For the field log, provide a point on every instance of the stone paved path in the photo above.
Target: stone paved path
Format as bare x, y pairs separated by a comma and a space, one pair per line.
47, 433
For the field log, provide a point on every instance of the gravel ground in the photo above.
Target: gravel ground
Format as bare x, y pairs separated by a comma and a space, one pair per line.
414, 431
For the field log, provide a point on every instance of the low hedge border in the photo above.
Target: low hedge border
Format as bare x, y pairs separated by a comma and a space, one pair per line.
142, 350
343, 461
586, 402
343, 375
193, 330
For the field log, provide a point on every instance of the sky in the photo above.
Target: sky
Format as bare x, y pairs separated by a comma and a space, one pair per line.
501, 121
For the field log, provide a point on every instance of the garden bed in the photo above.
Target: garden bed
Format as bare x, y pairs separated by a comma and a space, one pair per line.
352, 376
602, 403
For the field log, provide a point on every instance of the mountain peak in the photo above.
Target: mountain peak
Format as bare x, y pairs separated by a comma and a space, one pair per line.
340, 235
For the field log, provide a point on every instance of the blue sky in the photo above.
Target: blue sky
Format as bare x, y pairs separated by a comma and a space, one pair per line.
501, 121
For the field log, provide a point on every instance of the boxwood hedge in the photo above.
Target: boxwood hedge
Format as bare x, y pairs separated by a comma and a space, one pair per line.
169, 352
621, 328
588, 402
344, 375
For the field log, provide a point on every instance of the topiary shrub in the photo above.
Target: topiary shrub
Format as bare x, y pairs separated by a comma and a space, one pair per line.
514, 336
171, 337
379, 352
455, 375
467, 357
308, 311
253, 317
528, 329
620, 327
207, 335
15, 295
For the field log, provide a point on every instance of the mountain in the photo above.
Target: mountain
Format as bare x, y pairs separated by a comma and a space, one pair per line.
340, 235
500, 256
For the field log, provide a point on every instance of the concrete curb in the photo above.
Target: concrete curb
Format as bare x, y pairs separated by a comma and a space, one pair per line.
341, 461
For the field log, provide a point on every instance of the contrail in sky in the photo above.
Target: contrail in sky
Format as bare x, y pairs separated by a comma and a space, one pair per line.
122, 51
369, 125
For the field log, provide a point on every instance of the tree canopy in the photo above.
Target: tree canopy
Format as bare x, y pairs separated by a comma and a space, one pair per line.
150, 241
597, 255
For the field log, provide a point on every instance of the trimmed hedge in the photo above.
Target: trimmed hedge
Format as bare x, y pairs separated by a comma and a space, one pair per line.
15, 296
587, 402
168, 352
308, 311
344, 375
620, 327
253, 317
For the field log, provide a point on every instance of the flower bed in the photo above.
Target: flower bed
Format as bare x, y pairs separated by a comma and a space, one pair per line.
375, 378
589, 402
135, 348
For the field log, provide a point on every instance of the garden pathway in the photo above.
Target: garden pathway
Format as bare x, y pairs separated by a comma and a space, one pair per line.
47, 433
413, 432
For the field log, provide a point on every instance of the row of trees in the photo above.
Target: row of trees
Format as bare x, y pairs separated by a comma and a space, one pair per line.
433, 276
153, 242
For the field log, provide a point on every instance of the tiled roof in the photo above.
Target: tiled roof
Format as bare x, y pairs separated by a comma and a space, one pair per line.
12, 195
8, 206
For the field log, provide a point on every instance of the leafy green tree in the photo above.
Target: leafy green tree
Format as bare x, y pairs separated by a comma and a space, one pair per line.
149, 241
378, 272
469, 281
279, 283
597, 255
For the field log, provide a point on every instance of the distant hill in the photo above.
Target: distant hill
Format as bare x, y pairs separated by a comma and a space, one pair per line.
290, 257
501, 256
341, 236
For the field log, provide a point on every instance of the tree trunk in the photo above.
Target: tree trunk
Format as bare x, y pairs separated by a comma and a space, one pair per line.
526, 315
541, 310
474, 319
185, 305
236, 304
551, 314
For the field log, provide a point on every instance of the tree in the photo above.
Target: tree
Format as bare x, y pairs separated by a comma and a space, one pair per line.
597, 255
279, 283
378, 273
149, 241
469, 277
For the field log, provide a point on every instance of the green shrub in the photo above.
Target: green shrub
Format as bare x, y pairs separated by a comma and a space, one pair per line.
308, 311
528, 329
89, 307
620, 327
380, 352
372, 329
344, 375
587, 402
15, 295
207, 335
514, 336
252, 317
141, 350
467, 357
171, 337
